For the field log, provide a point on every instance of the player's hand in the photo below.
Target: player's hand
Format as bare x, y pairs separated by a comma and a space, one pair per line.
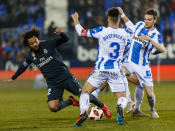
120, 10
144, 37
75, 16
9, 80
58, 31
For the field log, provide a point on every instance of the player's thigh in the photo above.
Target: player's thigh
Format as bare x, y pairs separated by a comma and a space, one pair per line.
133, 79
88, 88
72, 85
55, 92
103, 86
117, 83
96, 79
128, 68
144, 76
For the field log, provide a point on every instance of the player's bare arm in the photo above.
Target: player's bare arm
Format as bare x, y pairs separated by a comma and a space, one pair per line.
75, 18
123, 16
127, 22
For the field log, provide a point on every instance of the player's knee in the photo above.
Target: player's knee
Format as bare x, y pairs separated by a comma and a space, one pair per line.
53, 107
150, 95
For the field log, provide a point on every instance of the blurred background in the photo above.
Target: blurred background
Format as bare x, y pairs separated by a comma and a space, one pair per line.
17, 16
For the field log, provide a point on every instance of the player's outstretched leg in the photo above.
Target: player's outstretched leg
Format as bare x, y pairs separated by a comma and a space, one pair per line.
81, 119
138, 97
120, 115
130, 106
100, 104
74, 101
121, 104
106, 111
153, 112
84, 105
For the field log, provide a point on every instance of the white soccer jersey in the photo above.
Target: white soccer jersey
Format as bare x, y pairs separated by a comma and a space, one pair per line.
140, 50
112, 43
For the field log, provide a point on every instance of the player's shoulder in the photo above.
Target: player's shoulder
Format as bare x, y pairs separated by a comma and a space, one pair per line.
139, 24
42, 41
98, 29
128, 30
159, 36
156, 31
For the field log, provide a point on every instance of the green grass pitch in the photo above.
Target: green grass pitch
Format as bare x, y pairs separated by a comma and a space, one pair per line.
25, 109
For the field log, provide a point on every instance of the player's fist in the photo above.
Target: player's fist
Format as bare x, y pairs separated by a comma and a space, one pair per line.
144, 37
58, 31
74, 16
8, 80
120, 10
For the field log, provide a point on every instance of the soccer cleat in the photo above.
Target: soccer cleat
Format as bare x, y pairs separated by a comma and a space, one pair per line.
120, 115
138, 113
106, 111
74, 102
154, 114
130, 107
81, 119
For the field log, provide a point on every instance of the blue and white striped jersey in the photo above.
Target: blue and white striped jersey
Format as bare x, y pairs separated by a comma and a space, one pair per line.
112, 43
139, 49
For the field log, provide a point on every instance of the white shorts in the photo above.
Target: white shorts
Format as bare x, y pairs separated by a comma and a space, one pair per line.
114, 79
143, 73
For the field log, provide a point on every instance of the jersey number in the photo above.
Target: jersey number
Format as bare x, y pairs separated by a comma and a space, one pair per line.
115, 52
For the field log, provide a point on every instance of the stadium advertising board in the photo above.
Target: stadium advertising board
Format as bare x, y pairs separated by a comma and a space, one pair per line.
85, 57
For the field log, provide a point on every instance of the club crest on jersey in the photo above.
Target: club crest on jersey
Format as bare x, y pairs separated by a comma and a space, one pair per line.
149, 35
45, 51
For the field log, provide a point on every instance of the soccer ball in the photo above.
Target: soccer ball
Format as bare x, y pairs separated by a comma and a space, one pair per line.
95, 113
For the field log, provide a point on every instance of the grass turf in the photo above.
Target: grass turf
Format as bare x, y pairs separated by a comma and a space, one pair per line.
23, 108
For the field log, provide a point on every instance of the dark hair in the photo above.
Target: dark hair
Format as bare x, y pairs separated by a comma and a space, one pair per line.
113, 14
151, 12
29, 34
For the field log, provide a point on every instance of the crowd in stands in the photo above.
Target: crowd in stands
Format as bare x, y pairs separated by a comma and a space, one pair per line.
23, 14
92, 14
16, 16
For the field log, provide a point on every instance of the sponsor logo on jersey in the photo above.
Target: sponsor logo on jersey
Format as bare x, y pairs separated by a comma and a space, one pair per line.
44, 61
144, 42
45, 51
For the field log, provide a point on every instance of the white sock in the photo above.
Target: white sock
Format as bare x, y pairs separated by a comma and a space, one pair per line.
122, 101
96, 93
138, 96
128, 96
84, 102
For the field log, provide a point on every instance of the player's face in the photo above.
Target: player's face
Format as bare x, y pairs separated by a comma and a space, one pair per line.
33, 43
149, 21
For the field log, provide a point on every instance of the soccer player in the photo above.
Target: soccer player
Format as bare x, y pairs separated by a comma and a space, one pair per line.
112, 41
45, 56
146, 38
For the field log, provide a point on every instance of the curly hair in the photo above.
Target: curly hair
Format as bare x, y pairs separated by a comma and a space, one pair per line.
27, 35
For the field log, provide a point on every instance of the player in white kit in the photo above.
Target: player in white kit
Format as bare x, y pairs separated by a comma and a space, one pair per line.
146, 37
112, 41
